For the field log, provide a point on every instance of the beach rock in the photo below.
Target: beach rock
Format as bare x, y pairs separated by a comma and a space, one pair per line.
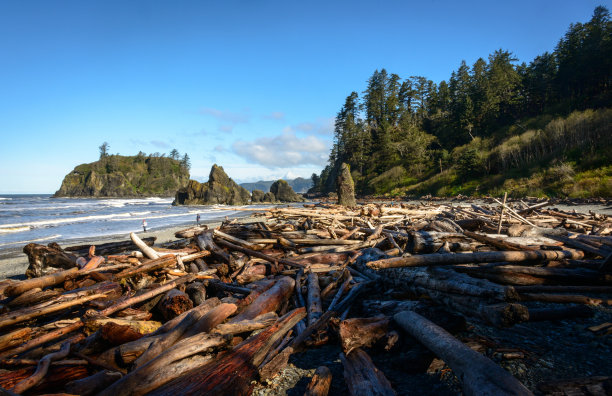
257, 196
284, 193
125, 176
346, 187
219, 189
269, 197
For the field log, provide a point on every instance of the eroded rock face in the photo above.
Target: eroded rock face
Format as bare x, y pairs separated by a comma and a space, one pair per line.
219, 189
257, 196
284, 193
346, 187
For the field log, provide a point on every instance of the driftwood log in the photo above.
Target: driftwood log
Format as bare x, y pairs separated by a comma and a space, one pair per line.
478, 374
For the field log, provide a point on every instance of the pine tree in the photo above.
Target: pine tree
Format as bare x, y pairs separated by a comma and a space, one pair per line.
104, 150
186, 162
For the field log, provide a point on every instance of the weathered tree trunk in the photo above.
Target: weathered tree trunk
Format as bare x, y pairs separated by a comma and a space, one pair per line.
41, 369
41, 282
522, 275
315, 308
260, 322
362, 332
191, 325
153, 265
196, 292
15, 338
46, 259
105, 249
320, 382
144, 248
174, 303
129, 384
479, 375
253, 253
57, 377
43, 309
33, 296
268, 301
93, 384
233, 372
498, 243
477, 257
362, 377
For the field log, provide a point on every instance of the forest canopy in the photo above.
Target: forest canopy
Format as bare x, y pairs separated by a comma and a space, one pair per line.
402, 132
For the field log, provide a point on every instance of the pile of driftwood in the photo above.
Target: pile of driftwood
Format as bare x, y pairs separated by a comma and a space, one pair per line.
218, 310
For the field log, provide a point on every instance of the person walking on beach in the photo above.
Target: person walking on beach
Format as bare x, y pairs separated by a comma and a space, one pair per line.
144, 225
198, 219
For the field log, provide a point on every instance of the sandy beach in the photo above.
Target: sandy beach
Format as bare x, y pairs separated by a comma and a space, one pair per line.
15, 264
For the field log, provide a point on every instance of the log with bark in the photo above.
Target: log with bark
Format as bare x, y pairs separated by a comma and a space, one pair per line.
233, 372
362, 377
477, 257
477, 373
320, 382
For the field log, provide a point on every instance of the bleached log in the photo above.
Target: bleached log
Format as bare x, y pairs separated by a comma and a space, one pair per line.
144, 248
477, 257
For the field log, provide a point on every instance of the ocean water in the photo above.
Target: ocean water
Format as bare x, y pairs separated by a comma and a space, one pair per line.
43, 219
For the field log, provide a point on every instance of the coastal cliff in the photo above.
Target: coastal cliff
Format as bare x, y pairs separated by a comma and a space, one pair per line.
125, 176
219, 189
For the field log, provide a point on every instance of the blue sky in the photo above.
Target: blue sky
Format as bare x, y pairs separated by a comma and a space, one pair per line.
250, 85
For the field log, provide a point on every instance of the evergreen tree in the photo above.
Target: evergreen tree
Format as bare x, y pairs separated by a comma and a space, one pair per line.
174, 154
104, 150
186, 162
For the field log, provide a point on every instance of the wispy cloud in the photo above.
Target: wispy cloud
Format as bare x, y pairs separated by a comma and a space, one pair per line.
220, 149
275, 115
159, 144
226, 128
227, 116
283, 150
322, 126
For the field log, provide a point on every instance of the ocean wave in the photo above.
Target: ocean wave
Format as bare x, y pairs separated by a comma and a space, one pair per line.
191, 214
32, 240
119, 203
7, 230
5, 199
51, 222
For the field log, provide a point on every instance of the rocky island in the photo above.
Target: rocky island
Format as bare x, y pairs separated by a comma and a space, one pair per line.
220, 189
126, 176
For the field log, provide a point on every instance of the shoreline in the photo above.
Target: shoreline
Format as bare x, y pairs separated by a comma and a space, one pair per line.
15, 263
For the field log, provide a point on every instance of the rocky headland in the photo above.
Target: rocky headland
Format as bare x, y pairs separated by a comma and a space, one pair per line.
125, 176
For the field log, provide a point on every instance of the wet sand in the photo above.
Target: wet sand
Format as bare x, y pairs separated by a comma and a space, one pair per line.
14, 264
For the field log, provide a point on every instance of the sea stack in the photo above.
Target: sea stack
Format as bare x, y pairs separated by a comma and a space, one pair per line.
346, 187
219, 189
284, 193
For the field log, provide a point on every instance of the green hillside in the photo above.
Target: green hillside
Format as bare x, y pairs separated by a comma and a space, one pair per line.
538, 128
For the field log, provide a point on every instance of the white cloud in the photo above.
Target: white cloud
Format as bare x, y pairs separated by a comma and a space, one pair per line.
284, 150
220, 149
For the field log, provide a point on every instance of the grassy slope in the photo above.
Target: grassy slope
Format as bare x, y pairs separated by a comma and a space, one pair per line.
563, 157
